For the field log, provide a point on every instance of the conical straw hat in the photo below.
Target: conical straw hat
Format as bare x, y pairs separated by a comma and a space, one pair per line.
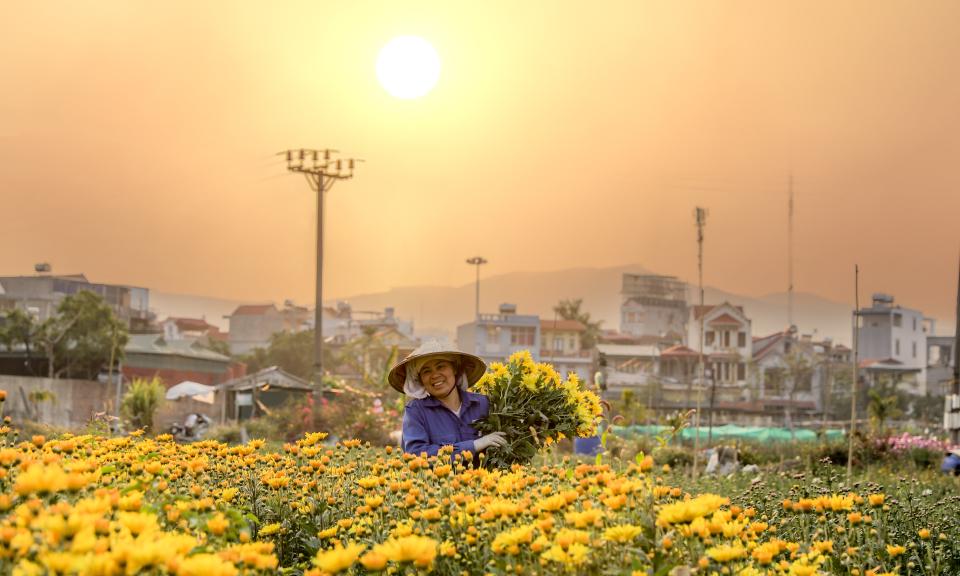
473, 367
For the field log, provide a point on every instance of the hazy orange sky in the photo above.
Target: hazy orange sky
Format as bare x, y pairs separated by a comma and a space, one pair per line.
137, 142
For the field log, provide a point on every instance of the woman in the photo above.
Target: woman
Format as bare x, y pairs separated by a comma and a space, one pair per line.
438, 376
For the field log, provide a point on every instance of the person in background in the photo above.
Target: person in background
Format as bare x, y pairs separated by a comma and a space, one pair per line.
951, 463
438, 378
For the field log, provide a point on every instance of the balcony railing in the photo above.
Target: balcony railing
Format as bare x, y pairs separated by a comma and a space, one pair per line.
508, 319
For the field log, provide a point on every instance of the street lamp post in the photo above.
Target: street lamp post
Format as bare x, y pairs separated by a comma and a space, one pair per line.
477, 261
321, 173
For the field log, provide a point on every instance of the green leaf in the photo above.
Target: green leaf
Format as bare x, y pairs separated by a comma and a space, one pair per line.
570, 473
252, 518
108, 469
639, 457
599, 458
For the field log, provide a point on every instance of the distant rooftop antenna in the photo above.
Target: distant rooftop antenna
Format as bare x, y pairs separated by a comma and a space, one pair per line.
42, 268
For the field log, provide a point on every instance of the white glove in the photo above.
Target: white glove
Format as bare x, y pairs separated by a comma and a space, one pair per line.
492, 440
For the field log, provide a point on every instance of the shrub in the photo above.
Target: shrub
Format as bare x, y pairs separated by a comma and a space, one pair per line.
142, 401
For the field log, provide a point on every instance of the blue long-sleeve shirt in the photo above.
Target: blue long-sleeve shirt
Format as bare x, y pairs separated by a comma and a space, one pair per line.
428, 424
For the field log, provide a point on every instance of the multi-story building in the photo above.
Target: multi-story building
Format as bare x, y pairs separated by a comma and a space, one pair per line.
494, 337
561, 345
653, 305
790, 373
344, 324
180, 328
727, 340
40, 295
251, 325
888, 331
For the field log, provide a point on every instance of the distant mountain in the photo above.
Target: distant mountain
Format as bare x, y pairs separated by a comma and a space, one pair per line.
440, 309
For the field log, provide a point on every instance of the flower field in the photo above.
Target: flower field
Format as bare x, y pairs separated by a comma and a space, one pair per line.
121, 506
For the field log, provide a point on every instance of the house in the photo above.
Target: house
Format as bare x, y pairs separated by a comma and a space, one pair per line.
176, 361
905, 376
790, 377
561, 345
343, 324
653, 305
495, 337
939, 364
42, 294
394, 338
628, 365
180, 328
252, 325
269, 389
726, 342
888, 331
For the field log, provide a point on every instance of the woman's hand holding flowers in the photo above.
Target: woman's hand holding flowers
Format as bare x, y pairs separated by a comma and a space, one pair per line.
492, 440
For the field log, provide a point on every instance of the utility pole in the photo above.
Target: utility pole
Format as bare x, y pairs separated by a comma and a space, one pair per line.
113, 349
701, 215
955, 433
856, 347
477, 261
321, 173
790, 253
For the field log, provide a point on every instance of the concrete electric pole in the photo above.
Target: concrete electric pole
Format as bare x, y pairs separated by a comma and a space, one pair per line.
477, 261
701, 215
321, 173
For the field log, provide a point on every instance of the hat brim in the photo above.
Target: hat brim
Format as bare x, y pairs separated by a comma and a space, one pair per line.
473, 367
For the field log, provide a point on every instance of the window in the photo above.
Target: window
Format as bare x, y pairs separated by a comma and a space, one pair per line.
898, 320
804, 382
897, 352
786, 347
914, 323
741, 369
558, 344
914, 349
726, 338
543, 342
523, 336
493, 335
573, 343
741, 340
708, 338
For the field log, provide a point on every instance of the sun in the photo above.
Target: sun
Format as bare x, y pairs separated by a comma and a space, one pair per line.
408, 67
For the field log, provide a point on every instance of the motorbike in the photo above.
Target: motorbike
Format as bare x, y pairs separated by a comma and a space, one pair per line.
193, 429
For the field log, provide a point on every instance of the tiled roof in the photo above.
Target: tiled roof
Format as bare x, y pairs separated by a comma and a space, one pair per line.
562, 325
725, 319
255, 309
872, 361
191, 323
679, 350
156, 344
706, 309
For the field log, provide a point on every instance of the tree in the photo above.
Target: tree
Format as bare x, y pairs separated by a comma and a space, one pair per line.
141, 402
219, 346
38, 396
370, 357
883, 409
570, 310
630, 407
292, 353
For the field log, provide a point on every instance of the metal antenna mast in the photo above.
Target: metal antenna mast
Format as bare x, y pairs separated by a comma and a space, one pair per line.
701, 215
790, 253
477, 261
322, 173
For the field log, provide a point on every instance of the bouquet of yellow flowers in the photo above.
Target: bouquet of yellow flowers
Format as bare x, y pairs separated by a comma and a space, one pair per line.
532, 405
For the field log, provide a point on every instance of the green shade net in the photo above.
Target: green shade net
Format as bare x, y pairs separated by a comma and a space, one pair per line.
730, 431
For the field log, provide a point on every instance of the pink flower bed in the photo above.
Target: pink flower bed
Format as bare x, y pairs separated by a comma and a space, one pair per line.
907, 442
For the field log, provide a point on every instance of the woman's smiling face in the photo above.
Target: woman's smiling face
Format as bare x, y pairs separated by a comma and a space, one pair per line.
438, 377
